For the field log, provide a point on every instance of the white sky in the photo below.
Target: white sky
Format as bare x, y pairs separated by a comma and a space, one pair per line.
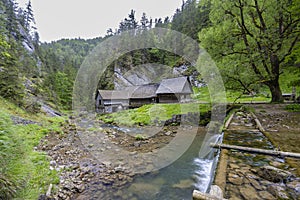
57, 19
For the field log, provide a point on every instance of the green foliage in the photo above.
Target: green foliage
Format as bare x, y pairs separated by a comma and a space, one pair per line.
290, 78
148, 114
16, 60
293, 107
60, 84
61, 60
139, 137
10, 84
191, 18
24, 173
201, 94
248, 45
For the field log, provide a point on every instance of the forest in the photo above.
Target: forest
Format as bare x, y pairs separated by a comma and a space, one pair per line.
255, 44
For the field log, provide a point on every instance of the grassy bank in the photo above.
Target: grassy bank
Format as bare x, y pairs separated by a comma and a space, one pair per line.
24, 172
202, 94
146, 115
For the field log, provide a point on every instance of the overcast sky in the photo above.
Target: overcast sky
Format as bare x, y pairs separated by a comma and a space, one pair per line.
57, 19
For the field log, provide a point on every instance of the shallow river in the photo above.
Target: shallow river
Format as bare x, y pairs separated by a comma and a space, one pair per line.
176, 181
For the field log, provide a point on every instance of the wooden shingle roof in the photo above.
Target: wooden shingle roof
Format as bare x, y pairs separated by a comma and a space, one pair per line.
180, 85
113, 94
142, 91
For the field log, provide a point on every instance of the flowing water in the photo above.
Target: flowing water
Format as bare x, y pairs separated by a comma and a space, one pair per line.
176, 181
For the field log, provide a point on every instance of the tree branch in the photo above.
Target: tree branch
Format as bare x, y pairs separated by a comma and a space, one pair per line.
262, 21
243, 19
290, 49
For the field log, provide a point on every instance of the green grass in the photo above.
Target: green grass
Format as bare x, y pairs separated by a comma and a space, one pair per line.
24, 173
290, 75
293, 107
147, 114
202, 95
139, 137
233, 97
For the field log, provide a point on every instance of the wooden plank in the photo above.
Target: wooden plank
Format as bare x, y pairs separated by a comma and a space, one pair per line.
256, 150
220, 178
259, 126
229, 121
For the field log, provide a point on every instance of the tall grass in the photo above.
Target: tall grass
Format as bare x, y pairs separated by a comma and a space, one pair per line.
24, 172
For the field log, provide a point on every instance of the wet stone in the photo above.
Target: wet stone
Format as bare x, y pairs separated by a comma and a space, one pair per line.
234, 198
232, 175
266, 195
274, 174
252, 176
137, 144
255, 184
295, 185
233, 166
168, 133
249, 192
278, 191
236, 181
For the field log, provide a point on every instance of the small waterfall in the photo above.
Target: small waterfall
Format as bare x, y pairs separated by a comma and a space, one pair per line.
203, 173
206, 166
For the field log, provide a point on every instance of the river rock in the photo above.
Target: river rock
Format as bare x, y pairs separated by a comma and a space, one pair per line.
249, 192
294, 185
278, 191
168, 133
137, 144
106, 163
266, 195
80, 188
216, 191
236, 181
119, 169
144, 189
274, 174
255, 184
234, 166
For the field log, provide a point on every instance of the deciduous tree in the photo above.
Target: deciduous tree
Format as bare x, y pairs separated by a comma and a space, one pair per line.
252, 39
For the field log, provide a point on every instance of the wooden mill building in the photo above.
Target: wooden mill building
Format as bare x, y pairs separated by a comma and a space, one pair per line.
173, 90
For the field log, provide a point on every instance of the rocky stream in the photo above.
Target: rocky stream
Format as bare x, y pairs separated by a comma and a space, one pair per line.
84, 174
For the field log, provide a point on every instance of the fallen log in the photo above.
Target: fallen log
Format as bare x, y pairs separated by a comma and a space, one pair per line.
229, 121
258, 124
256, 150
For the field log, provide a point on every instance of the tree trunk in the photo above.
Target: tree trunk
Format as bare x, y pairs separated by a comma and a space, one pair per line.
274, 82
275, 92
